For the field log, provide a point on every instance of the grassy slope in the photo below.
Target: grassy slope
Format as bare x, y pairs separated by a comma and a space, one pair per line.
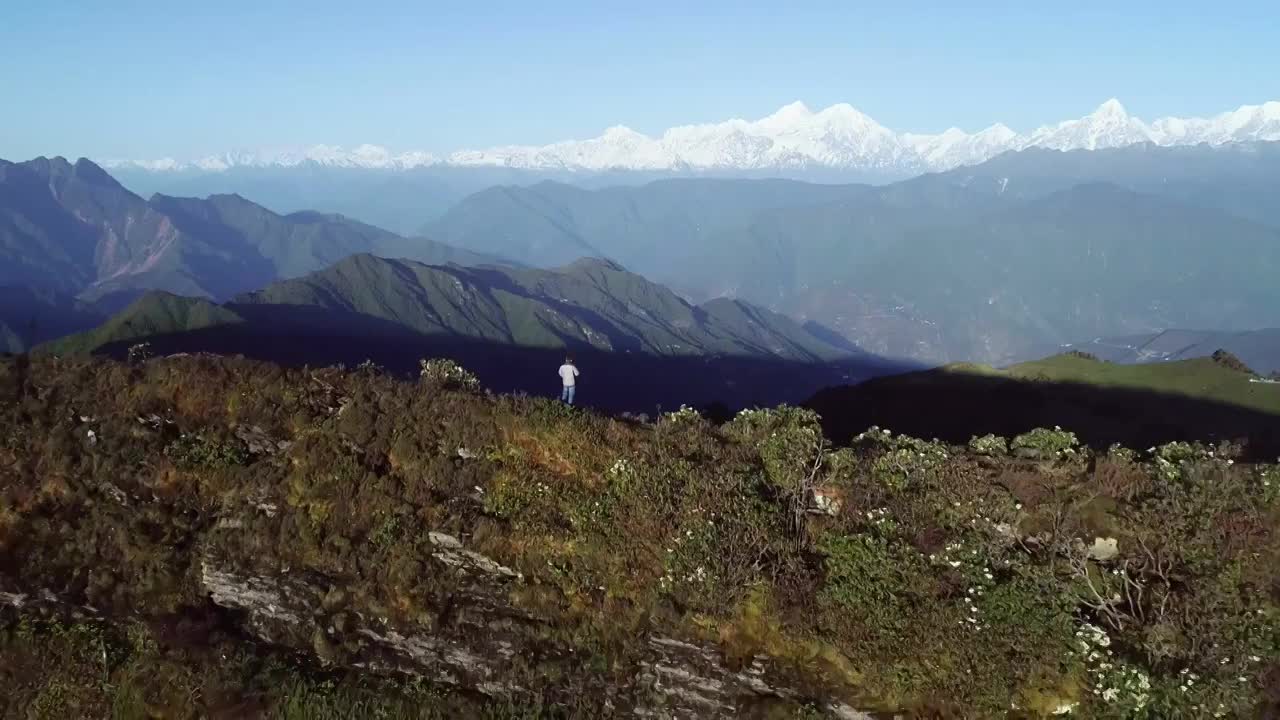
156, 313
1200, 378
945, 583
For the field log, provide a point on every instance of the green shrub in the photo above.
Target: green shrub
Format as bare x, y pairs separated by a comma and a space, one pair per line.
1046, 443
989, 445
193, 450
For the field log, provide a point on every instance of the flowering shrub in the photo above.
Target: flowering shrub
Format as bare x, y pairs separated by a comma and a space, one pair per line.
1269, 480
139, 353
1046, 443
1119, 688
448, 374
684, 414
990, 445
1121, 454
901, 459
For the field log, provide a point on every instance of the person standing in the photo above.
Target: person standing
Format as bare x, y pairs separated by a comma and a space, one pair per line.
569, 379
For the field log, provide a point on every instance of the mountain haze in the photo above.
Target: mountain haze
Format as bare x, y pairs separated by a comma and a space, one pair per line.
992, 263
72, 229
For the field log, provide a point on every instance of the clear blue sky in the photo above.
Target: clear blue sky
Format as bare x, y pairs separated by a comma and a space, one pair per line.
182, 79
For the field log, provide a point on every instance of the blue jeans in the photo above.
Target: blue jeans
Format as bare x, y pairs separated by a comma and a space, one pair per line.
566, 395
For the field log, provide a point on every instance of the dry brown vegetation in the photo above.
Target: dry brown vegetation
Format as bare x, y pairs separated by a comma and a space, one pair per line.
948, 582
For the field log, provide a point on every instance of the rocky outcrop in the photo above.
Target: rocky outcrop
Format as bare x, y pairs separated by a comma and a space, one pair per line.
483, 643
479, 641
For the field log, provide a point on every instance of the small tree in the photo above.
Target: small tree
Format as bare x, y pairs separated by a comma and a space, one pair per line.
1226, 359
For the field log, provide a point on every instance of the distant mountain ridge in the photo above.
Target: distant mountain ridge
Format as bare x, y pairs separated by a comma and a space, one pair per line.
1030, 250
589, 304
838, 137
639, 344
1034, 249
73, 229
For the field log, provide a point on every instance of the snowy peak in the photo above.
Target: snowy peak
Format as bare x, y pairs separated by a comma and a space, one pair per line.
1110, 110
794, 137
787, 116
1107, 127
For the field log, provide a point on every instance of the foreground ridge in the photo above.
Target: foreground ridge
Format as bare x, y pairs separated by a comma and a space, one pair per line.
533, 554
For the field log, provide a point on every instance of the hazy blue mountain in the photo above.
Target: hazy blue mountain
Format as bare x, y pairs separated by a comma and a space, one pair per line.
654, 229
49, 231
1237, 178
400, 200
1090, 261
71, 228
976, 264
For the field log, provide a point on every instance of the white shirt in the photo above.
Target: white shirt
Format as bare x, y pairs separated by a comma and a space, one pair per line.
568, 373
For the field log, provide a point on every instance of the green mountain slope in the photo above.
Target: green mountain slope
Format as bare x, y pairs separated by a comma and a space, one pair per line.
155, 313
1203, 378
590, 304
639, 345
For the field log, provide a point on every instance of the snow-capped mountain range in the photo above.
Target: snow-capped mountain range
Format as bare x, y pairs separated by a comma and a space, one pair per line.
793, 138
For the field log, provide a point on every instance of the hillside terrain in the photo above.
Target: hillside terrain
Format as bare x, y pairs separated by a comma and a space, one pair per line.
72, 229
209, 537
1137, 405
638, 344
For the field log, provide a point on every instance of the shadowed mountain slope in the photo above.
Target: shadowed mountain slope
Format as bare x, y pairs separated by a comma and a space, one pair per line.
1104, 403
638, 344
